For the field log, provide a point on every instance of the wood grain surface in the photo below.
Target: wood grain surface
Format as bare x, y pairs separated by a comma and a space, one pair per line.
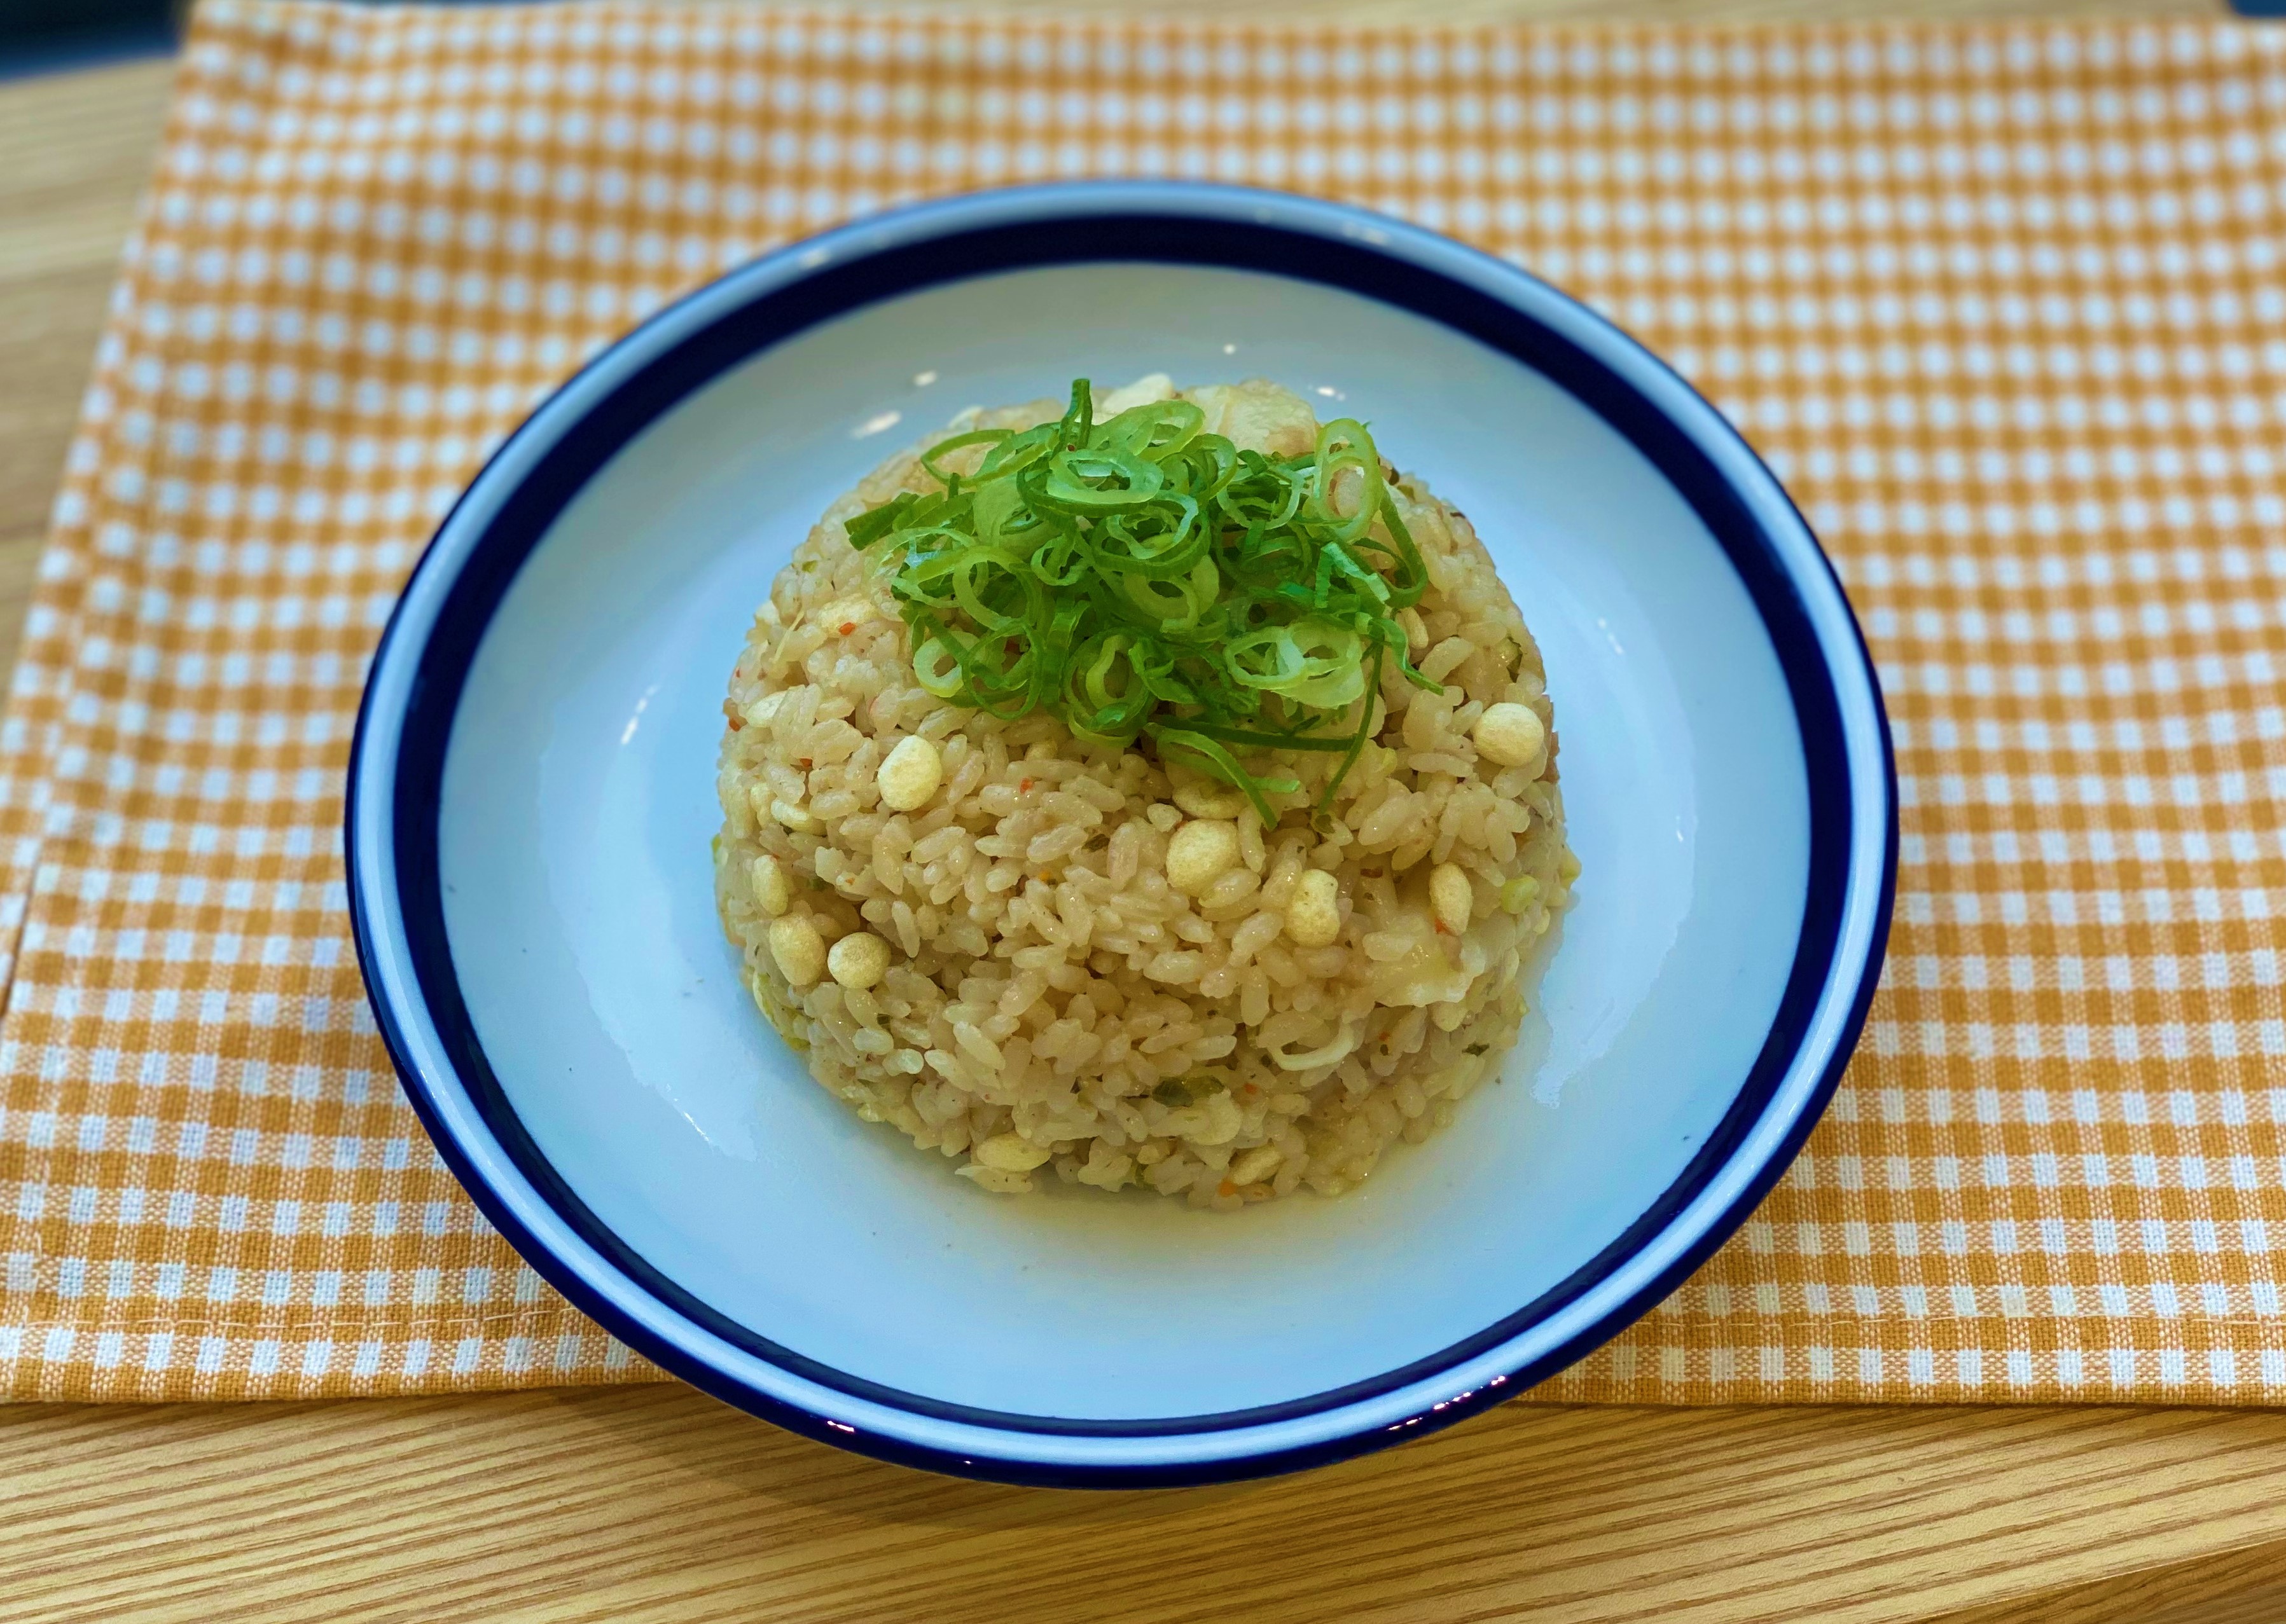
658, 1504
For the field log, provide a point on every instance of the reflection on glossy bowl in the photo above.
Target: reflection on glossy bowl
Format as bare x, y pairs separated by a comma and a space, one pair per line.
532, 796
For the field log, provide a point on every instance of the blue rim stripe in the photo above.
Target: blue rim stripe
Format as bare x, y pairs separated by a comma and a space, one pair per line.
522, 520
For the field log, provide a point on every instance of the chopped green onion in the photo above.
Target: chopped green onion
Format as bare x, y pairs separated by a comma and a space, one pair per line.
1182, 1091
1140, 579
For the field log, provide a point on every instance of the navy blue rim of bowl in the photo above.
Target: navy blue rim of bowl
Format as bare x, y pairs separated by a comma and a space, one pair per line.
1150, 235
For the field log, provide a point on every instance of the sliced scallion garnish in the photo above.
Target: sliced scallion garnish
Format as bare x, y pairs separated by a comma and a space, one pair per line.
1140, 579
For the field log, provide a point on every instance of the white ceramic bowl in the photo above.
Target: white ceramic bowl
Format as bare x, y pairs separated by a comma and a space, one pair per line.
531, 799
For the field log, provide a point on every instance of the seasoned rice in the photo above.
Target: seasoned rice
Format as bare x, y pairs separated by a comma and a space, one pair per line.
1041, 1001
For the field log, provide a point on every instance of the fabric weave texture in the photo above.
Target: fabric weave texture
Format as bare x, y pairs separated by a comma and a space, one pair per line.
2002, 305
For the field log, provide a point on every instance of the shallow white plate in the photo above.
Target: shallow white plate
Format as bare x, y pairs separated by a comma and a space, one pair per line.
532, 799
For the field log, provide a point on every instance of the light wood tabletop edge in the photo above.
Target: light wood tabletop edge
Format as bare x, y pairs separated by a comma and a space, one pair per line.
637, 1503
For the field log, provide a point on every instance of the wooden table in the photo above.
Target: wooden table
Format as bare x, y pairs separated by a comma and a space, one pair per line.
656, 1503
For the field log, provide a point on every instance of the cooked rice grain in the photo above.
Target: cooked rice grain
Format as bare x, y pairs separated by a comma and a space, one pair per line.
1052, 1003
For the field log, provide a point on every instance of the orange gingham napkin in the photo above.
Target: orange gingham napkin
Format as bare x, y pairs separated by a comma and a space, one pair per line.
2003, 305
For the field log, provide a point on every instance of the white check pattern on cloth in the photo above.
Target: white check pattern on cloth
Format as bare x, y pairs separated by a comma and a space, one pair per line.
2003, 305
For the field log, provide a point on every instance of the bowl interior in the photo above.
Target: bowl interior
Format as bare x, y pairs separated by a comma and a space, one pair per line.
577, 805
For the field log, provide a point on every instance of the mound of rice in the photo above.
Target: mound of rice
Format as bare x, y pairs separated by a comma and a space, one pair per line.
1003, 969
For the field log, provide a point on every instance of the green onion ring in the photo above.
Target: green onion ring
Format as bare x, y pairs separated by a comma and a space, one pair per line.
1141, 578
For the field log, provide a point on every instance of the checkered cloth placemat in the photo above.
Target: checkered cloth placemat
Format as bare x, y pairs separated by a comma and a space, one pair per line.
2003, 305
